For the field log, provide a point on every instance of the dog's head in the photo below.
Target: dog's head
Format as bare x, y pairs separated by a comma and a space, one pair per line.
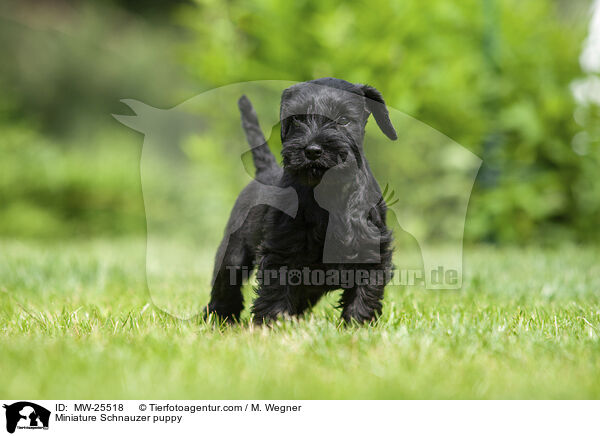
323, 124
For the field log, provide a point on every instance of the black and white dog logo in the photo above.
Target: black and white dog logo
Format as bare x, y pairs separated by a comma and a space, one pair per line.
26, 415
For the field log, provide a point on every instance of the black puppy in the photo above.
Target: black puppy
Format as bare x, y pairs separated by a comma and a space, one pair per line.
332, 234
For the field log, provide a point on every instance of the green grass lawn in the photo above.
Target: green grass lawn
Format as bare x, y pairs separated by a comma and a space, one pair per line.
75, 322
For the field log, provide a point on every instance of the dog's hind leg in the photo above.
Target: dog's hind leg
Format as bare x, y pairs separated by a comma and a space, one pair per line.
361, 303
226, 299
274, 300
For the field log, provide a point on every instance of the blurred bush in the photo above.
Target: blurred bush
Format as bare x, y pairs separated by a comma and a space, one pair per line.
67, 167
56, 191
492, 75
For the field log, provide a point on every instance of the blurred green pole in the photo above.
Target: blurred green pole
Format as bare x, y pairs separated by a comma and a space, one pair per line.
490, 31
490, 170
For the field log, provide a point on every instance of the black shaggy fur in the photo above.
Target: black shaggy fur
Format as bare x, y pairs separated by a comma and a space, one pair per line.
339, 203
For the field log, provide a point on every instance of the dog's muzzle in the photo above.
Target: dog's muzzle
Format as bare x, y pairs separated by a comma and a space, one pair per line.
313, 151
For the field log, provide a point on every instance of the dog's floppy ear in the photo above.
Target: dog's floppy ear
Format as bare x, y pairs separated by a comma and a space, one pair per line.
377, 107
285, 95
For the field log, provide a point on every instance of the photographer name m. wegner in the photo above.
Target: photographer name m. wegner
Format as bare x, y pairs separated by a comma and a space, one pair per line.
344, 278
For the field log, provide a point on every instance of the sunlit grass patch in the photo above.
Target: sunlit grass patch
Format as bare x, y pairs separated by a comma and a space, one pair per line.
77, 321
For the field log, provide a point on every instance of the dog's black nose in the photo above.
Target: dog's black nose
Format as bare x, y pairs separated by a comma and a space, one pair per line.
313, 151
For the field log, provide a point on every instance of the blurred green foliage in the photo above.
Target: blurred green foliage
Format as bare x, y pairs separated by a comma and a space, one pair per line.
52, 191
492, 75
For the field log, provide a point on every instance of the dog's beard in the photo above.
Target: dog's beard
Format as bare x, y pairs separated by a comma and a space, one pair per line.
310, 173
314, 174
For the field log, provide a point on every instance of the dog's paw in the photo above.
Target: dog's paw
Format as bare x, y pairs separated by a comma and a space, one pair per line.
211, 314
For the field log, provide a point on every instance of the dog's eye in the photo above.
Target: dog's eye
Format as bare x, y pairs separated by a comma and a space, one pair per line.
343, 121
296, 122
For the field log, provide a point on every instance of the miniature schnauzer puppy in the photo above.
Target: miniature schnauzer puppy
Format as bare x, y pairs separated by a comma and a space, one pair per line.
333, 227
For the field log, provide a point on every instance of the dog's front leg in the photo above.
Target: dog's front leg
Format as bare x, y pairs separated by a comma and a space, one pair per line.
362, 303
226, 299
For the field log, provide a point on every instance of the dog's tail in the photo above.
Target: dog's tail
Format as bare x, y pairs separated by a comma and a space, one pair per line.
264, 160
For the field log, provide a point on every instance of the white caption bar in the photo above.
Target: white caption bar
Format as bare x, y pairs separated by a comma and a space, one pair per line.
254, 417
